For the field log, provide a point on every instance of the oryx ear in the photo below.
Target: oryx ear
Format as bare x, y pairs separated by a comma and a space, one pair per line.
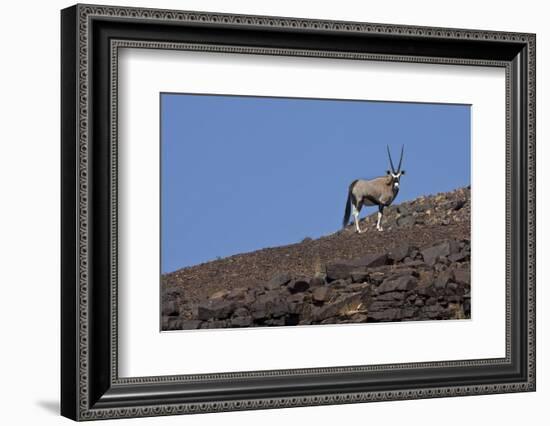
388, 172
402, 172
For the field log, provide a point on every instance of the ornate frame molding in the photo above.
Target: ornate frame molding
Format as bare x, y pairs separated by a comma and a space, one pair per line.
78, 25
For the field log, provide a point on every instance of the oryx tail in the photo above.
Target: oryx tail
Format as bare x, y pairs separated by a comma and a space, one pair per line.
347, 213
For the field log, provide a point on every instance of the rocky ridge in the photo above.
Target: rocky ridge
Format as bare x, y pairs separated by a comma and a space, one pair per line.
417, 269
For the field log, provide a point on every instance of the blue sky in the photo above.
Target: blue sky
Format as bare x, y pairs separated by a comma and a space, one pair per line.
243, 173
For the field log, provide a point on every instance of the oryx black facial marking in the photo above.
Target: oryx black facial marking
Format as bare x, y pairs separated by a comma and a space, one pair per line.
380, 191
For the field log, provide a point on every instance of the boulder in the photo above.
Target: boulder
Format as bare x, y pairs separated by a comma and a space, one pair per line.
298, 285
170, 309
388, 314
400, 283
462, 276
241, 321
339, 270
190, 324
237, 293
457, 257
445, 248
391, 296
406, 221
219, 294
399, 252
321, 294
344, 306
172, 292
269, 305
442, 279
215, 309
360, 275
343, 269
278, 281
317, 281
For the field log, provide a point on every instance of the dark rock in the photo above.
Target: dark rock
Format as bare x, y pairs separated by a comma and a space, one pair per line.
269, 305
242, 321
410, 298
278, 281
215, 309
278, 322
425, 277
467, 308
453, 287
398, 253
431, 254
344, 306
454, 299
419, 302
459, 204
219, 294
372, 260
442, 279
190, 324
237, 293
406, 221
240, 312
174, 324
298, 285
339, 270
321, 294
358, 287
358, 318
292, 319
410, 262
391, 314
405, 270
462, 276
214, 324
340, 284
360, 275
170, 309
317, 281
342, 269
296, 298
172, 292
403, 209
408, 312
376, 277
401, 283
433, 311
457, 257
392, 296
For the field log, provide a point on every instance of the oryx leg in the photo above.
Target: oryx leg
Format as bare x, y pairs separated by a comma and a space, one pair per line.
355, 213
380, 211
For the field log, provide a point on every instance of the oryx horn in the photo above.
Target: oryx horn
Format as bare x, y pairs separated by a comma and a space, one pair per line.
400, 159
391, 162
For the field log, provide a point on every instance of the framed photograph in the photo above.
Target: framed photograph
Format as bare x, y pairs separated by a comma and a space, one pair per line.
263, 212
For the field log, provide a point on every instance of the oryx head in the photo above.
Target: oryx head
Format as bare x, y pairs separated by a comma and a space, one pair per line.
393, 174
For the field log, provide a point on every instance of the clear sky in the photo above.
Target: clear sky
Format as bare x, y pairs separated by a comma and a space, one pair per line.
243, 173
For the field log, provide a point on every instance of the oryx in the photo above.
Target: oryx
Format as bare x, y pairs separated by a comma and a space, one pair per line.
380, 191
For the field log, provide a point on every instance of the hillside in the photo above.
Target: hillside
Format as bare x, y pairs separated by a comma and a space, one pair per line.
424, 246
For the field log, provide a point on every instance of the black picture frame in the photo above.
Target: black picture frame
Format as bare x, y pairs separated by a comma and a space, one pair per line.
90, 386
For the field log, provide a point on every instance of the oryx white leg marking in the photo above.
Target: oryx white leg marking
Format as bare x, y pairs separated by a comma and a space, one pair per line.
378, 223
355, 213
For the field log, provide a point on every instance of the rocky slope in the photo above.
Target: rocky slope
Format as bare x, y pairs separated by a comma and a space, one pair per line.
417, 268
